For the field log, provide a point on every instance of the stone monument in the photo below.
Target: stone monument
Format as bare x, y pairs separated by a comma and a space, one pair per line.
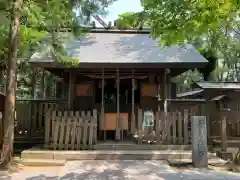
199, 142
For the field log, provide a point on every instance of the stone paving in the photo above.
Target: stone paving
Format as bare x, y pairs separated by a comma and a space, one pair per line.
120, 170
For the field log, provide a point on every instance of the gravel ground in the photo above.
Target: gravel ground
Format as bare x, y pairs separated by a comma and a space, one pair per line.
116, 170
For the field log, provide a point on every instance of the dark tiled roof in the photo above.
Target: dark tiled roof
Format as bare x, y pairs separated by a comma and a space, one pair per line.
189, 93
121, 48
218, 85
218, 98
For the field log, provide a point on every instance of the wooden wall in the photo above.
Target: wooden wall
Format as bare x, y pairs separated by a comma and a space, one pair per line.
85, 96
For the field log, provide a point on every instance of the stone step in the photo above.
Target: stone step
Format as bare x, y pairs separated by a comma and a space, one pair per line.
121, 146
108, 155
42, 162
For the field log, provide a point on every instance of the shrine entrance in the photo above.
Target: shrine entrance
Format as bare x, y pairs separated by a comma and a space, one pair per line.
114, 105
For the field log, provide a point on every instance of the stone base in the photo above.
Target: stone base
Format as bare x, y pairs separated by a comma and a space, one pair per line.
42, 162
214, 161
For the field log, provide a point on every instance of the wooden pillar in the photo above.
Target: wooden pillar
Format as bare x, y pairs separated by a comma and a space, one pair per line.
63, 88
159, 92
71, 89
43, 84
165, 91
102, 107
223, 133
158, 114
133, 124
33, 83
33, 94
118, 110
164, 96
205, 111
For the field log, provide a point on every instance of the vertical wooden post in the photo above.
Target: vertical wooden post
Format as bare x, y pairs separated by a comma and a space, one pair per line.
34, 83
71, 90
157, 118
165, 90
223, 133
158, 92
63, 85
102, 107
133, 124
118, 112
33, 94
164, 102
43, 84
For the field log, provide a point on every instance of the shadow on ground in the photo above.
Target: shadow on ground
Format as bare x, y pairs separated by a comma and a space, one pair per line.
129, 170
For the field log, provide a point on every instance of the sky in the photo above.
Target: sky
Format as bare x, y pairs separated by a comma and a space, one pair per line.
120, 7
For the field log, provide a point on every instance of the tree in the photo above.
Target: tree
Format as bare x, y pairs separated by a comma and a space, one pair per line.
208, 25
131, 20
177, 22
11, 83
29, 22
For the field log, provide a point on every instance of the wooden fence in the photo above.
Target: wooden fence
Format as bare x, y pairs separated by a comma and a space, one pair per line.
29, 119
233, 124
70, 130
174, 128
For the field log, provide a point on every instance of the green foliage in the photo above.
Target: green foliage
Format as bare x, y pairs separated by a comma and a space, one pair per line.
127, 20
131, 20
213, 27
185, 80
41, 23
210, 67
177, 22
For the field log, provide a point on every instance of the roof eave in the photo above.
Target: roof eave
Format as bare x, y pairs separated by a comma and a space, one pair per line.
177, 65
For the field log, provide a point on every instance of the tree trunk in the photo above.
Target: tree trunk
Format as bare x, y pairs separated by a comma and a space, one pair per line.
9, 113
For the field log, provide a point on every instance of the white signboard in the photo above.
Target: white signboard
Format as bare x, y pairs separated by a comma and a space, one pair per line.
148, 119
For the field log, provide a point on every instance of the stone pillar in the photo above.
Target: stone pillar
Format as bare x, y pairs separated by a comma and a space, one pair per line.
199, 142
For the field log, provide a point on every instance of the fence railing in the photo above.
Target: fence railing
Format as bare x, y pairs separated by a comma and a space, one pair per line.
233, 124
70, 130
29, 118
170, 128
174, 129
